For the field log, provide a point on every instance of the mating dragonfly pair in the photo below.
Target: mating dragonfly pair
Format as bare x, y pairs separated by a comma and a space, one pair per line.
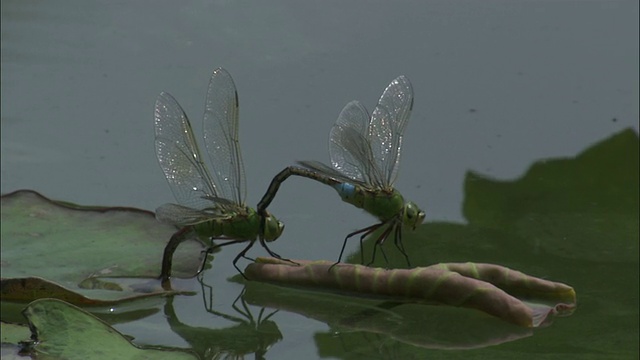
364, 151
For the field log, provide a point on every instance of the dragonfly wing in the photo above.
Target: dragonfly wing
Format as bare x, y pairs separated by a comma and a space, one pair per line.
386, 129
183, 216
179, 156
220, 125
348, 147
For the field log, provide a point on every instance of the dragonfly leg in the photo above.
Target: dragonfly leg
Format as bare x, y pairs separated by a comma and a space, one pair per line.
261, 319
398, 241
364, 236
271, 252
242, 254
204, 298
365, 232
211, 248
378, 243
208, 251
206, 256
274, 254
234, 305
246, 312
209, 307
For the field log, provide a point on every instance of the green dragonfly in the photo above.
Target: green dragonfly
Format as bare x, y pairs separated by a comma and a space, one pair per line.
211, 205
365, 154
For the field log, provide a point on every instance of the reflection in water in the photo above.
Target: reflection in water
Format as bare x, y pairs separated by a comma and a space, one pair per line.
362, 327
373, 346
263, 332
250, 335
408, 326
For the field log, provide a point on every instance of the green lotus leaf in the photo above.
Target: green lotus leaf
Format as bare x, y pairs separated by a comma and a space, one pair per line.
561, 205
84, 255
63, 331
13, 336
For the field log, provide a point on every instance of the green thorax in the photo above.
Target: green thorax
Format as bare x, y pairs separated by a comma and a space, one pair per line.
383, 204
241, 225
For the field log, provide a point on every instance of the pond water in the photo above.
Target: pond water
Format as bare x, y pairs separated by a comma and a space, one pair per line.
522, 148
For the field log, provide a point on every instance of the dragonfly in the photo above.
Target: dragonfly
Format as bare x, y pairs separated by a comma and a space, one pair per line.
211, 205
365, 155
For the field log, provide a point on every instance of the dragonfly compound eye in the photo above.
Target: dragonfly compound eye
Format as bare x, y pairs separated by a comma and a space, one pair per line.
413, 216
272, 228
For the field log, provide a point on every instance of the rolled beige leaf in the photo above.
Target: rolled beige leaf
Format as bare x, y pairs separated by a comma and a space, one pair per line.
515, 282
428, 284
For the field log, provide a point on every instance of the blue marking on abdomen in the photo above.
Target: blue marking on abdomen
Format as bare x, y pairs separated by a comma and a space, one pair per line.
345, 190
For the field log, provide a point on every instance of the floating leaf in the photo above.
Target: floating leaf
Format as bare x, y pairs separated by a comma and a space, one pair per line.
14, 336
85, 255
559, 205
14, 333
64, 331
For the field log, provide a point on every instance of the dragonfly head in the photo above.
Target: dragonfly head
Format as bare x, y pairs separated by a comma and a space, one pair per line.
273, 228
412, 216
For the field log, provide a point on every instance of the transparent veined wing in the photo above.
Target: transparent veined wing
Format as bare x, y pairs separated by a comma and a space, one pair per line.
184, 216
327, 171
220, 126
179, 156
349, 147
386, 129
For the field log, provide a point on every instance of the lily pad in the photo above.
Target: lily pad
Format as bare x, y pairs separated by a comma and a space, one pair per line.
63, 331
561, 204
14, 333
85, 255
13, 336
